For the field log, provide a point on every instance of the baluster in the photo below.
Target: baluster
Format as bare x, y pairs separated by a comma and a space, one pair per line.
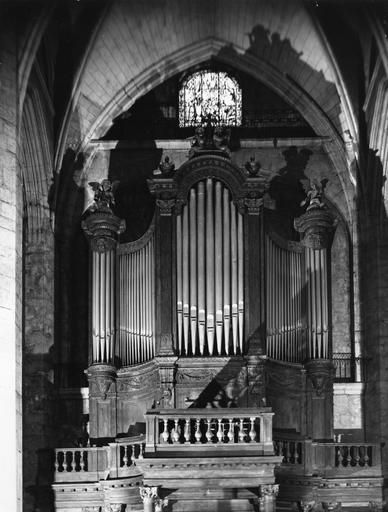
141, 454
252, 433
209, 431
220, 433
132, 457
285, 451
231, 431
276, 447
56, 462
82, 461
197, 434
340, 456
165, 433
186, 434
357, 457
72, 461
125, 457
289, 451
349, 457
241, 434
366, 457
175, 432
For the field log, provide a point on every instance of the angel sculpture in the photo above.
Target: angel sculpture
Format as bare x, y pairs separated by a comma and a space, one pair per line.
103, 194
314, 194
252, 166
166, 166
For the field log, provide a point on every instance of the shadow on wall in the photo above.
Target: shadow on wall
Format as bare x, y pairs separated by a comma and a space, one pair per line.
270, 47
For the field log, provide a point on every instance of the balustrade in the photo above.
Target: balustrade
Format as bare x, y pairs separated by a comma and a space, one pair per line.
354, 455
230, 427
292, 451
91, 462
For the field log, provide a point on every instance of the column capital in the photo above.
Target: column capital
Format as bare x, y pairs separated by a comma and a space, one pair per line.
315, 226
102, 228
320, 372
148, 493
268, 490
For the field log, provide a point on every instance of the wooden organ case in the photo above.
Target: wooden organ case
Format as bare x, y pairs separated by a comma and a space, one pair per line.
209, 308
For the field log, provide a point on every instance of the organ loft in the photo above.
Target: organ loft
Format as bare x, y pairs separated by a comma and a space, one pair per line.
213, 352
193, 255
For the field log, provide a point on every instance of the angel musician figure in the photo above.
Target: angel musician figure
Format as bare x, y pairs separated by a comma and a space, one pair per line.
103, 194
314, 194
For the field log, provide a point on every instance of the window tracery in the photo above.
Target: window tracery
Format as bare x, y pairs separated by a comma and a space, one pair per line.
210, 92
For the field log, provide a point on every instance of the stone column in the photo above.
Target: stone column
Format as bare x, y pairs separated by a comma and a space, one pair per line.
267, 497
316, 226
102, 228
148, 495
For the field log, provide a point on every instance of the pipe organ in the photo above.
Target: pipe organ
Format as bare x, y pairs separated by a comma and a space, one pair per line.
136, 290
210, 272
297, 325
317, 304
103, 306
285, 302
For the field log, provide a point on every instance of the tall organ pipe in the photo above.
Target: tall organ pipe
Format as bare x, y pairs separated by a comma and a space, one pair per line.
214, 280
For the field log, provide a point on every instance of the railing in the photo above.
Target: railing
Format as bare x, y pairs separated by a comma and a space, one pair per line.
292, 451
349, 368
90, 463
307, 456
229, 428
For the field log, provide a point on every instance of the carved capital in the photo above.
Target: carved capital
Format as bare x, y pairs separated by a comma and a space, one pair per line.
308, 506
160, 504
251, 205
315, 226
114, 507
148, 493
166, 206
268, 490
332, 506
102, 229
102, 376
320, 373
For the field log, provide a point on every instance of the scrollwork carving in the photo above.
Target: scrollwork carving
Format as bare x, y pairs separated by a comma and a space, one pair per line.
268, 490
148, 493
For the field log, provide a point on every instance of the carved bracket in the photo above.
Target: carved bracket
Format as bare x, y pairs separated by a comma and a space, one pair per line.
320, 373
102, 376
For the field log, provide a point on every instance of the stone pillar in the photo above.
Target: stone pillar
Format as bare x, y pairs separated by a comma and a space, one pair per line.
102, 228
267, 497
11, 221
148, 495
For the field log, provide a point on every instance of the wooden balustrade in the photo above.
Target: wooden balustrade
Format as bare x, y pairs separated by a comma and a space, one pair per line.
231, 428
292, 451
337, 458
83, 464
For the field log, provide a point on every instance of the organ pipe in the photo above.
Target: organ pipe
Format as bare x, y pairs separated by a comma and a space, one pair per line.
103, 306
136, 297
284, 290
210, 270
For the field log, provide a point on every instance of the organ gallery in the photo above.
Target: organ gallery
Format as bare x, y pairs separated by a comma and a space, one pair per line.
196, 243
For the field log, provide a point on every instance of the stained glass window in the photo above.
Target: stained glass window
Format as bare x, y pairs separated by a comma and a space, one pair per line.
210, 92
